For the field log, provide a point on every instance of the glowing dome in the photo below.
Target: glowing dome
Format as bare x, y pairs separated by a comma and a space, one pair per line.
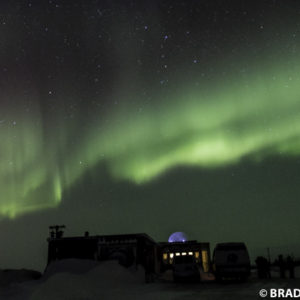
177, 237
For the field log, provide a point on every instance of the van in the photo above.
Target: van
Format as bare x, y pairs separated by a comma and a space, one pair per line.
231, 261
185, 268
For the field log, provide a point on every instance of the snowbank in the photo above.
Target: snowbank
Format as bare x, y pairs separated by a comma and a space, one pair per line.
90, 280
8, 277
80, 279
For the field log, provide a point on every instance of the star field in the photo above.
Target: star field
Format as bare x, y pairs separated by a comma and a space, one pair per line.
141, 89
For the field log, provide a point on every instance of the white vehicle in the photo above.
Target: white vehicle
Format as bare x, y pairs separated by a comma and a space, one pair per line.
231, 261
185, 268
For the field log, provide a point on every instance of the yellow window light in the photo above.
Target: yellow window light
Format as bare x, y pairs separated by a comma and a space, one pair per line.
205, 261
190, 253
183, 253
171, 255
177, 254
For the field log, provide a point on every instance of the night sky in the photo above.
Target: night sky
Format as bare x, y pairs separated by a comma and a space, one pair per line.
149, 116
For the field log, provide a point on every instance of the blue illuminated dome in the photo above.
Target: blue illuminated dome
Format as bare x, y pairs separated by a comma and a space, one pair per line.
177, 237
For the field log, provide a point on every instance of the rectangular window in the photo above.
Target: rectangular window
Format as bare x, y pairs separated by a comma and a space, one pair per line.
205, 261
165, 257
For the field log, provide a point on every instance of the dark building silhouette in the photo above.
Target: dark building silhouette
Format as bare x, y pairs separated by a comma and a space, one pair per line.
290, 265
128, 249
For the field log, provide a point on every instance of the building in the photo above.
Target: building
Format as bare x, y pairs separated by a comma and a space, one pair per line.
201, 252
128, 249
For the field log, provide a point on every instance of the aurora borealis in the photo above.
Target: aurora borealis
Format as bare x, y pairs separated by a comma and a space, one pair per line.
256, 117
132, 92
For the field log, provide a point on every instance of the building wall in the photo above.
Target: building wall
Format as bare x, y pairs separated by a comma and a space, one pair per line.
128, 250
201, 252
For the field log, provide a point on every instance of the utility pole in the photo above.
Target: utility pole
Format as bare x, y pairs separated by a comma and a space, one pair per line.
56, 231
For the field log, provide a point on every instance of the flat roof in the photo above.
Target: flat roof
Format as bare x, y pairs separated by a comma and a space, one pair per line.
108, 236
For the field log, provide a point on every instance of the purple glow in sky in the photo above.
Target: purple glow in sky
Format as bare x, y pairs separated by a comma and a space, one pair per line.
177, 237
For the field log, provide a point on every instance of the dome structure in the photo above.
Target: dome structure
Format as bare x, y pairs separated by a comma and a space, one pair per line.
177, 237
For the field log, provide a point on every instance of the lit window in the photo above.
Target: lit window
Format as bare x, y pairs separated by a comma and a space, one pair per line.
177, 254
205, 260
183, 253
171, 255
190, 253
165, 256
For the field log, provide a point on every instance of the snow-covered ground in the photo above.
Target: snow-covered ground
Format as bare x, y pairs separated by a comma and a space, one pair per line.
86, 280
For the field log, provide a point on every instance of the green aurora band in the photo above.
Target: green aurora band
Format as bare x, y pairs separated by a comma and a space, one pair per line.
255, 116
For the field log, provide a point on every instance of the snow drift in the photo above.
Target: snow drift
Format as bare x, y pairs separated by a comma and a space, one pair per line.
74, 279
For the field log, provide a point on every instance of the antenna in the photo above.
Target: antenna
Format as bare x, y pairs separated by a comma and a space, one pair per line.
56, 231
